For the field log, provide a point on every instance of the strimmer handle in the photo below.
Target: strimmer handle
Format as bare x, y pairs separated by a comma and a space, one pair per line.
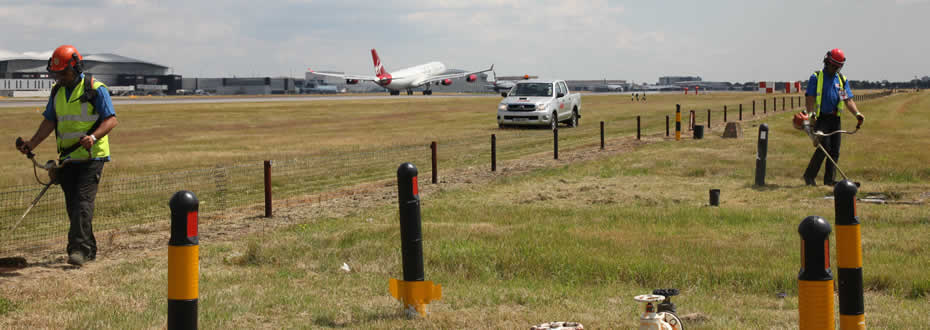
20, 143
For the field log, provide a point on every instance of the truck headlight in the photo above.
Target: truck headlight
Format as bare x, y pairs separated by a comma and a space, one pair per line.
502, 107
541, 106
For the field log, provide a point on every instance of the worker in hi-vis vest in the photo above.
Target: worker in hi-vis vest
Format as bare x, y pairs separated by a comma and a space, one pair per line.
81, 114
828, 95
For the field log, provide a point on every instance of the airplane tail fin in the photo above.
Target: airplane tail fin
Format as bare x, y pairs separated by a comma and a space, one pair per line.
379, 68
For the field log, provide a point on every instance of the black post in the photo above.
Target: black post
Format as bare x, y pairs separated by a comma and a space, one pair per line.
724, 114
493, 153
740, 112
411, 238
666, 126
602, 134
183, 261
753, 108
267, 188
762, 153
555, 143
637, 128
708, 119
715, 197
765, 106
433, 146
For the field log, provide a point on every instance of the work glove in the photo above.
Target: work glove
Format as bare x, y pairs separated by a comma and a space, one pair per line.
860, 118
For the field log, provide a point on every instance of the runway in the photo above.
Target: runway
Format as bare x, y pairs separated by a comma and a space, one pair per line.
36, 102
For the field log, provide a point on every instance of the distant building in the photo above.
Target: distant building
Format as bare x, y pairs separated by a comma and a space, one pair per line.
111, 69
671, 80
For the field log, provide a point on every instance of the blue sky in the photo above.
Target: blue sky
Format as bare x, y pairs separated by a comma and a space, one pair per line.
638, 41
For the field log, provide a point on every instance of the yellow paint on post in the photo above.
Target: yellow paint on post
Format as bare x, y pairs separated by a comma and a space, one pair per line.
415, 294
183, 272
815, 305
852, 321
848, 246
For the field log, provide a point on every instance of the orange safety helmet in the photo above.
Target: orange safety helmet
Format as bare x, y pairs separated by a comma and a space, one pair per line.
63, 57
836, 56
800, 119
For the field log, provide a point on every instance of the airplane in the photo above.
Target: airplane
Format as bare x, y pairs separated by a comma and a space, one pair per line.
432, 73
504, 85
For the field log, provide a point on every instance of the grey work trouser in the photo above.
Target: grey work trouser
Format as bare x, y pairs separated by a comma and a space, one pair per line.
79, 183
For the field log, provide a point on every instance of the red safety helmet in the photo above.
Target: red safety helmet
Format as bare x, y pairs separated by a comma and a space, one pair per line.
63, 57
799, 119
836, 56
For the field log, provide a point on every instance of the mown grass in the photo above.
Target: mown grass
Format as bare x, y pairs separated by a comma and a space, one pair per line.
569, 242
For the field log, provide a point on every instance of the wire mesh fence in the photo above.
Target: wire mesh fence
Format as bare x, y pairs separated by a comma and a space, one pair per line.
127, 201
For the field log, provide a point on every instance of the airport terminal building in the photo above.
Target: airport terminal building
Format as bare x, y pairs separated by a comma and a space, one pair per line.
25, 75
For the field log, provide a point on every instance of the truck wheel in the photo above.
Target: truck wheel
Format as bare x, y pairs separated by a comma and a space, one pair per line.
574, 120
554, 122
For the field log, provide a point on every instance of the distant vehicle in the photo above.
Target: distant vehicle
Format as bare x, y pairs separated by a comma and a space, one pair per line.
539, 102
432, 73
201, 92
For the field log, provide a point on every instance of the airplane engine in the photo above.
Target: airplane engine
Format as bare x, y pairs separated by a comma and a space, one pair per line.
446, 82
351, 81
471, 78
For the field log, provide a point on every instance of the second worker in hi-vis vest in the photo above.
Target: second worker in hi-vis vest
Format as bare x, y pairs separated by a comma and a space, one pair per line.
828, 94
81, 114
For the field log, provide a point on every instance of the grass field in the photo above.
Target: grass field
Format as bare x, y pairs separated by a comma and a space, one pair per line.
562, 241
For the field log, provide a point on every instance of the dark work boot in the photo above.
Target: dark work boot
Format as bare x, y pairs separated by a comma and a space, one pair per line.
809, 181
76, 258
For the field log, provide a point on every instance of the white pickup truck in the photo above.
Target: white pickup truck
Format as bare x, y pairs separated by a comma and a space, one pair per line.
539, 102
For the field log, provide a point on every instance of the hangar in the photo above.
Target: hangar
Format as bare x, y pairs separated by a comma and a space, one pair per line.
111, 69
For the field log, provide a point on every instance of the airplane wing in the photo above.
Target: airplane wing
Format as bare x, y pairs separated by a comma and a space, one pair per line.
442, 77
347, 76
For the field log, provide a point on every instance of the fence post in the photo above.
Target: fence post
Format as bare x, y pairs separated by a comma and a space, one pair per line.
815, 281
782, 103
493, 153
765, 106
267, 188
753, 108
708, 119
637, 128
724, 114
762, 153
602, 134
678, 122
555, 143
434, 148
183, 261
848, 256
666, 126
740, 112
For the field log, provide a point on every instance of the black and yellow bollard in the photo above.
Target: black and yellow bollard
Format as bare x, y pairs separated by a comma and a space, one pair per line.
413, 291
183, 263
848, 257
815, 281
678, 122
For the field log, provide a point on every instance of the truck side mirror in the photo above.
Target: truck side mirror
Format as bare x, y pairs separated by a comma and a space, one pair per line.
560, 95
503, 94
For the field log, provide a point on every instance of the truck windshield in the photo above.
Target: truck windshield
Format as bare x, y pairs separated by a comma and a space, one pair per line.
532, 89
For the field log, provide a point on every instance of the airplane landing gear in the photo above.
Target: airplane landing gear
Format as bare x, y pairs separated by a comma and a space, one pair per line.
409, 92
427, 92
395, 93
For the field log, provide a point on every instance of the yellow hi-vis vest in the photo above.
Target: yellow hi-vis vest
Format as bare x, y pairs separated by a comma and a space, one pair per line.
75, 118
839, 106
